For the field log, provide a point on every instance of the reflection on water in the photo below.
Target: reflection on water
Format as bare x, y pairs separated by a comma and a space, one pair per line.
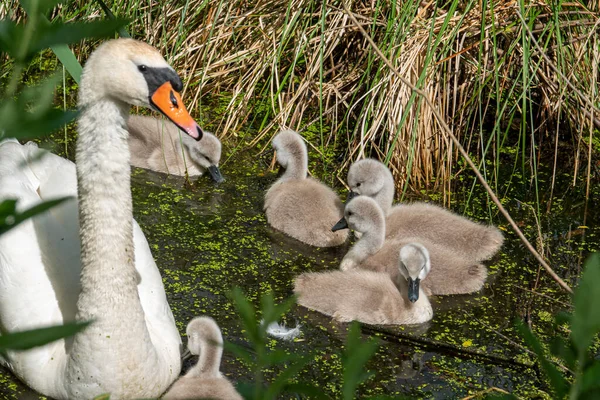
210, 237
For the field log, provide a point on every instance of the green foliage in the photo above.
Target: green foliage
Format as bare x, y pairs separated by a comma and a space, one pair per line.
26, 340
29, 112
355, 357
575, 354
10, 217
261, 358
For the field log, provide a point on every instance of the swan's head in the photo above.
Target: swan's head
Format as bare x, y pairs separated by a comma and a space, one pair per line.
414, 266
206, 153
203, 331
362, 214
368, 177
289, 148
133, 72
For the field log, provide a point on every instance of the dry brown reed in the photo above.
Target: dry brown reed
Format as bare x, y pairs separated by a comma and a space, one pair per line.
303, 64
300, 62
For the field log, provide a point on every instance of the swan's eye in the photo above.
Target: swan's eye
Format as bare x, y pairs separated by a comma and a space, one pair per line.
142, 68
349, 213
358, 184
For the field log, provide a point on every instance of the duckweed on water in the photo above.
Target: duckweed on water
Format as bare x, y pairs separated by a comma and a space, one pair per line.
209, 238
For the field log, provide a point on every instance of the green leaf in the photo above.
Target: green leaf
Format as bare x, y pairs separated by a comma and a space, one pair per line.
280, 383
10, 37
31, 113
307, 390
501, 396
248, 314
122, 31
273, 313
563, 350
11, 218
68, 33
275, 357
355, 356
246, 389
39, 125
240, 351
26, 340
68, 59
590, 380
557, 380
41, 6
586, 318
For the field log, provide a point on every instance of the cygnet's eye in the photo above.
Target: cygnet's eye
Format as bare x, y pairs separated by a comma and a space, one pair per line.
358, 184
349, 213
142, 68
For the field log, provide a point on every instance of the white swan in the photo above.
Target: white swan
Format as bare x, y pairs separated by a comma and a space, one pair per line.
132, 349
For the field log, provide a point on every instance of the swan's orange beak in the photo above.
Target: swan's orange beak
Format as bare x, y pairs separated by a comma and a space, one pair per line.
168, 102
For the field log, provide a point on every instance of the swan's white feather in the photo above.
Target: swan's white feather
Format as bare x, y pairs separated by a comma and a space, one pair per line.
40, 266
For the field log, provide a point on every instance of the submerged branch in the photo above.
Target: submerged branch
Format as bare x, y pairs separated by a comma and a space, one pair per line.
462, 352
462, 151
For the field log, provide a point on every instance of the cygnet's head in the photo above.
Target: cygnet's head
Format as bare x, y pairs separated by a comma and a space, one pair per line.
414, 267
289, 146
207, 153
203, 331
368, 177
362, 214
135, 73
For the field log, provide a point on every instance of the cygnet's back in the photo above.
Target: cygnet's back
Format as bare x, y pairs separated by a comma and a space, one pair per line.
469, 239
204, 380
451, 273
367, 296
156, 144
302, 207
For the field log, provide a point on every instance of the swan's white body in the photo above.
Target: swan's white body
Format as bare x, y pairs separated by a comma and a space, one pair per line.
40, 268
86, 261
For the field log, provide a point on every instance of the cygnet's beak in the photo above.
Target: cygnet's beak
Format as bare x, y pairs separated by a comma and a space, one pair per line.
341, 224
166, 100
350, 196
413, 289
186, 354
215, 173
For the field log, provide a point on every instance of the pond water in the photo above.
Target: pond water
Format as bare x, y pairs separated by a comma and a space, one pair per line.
210, 237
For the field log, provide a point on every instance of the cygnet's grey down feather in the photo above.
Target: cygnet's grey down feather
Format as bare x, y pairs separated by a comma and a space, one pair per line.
468, 239
451, 272
302, 207
204, 380
370, 297
159, 145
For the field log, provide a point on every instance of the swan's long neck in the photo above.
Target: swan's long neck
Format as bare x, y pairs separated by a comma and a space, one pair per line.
209, 361
385, 197
118, 339
105, 212
370, 242
297, 166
